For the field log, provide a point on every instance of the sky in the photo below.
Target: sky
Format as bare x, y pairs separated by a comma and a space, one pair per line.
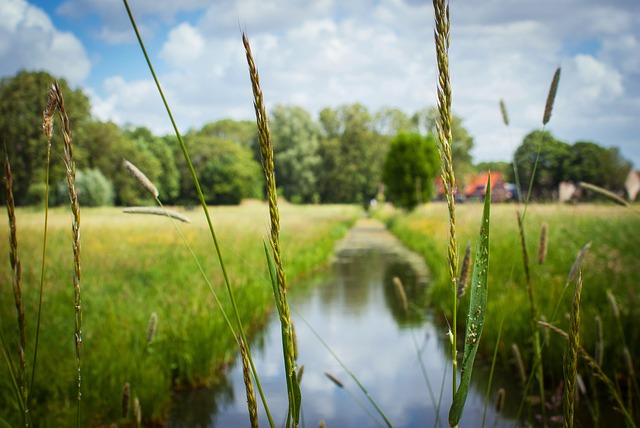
327, 53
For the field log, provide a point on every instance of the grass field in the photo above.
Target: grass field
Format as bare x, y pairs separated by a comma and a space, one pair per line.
611, 264
135, 266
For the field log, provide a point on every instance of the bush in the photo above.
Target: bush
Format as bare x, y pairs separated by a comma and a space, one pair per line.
94, 189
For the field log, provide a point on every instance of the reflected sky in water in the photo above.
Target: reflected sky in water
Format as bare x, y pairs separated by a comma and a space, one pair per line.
355, 310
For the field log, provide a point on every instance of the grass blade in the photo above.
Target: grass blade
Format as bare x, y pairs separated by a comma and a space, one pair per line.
477, 311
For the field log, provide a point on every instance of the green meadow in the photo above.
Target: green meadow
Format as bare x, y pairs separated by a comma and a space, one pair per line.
610, 272
134, 266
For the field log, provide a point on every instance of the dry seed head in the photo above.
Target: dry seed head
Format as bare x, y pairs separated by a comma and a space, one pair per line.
614, 303
578, 262
252, 404
551, 97
141, 178
542, 245
334, 379
599, 354
400, 293
300, 373
151, 327
503, 110
157, 211
137, 412
519, 363
500, 400
126, 400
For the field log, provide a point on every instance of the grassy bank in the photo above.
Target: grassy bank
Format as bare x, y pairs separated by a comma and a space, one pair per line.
135, 266
611, 263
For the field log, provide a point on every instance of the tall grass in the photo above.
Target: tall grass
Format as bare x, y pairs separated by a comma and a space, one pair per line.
611, 262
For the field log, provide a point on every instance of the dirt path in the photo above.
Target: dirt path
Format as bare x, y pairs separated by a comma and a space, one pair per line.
371, 235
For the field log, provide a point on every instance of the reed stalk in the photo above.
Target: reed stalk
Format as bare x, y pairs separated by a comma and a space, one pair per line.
280, 292
445, 138
571, 358
20, 382
56, 102
252, 405
599, 373
45, 234
205, 209
537, 349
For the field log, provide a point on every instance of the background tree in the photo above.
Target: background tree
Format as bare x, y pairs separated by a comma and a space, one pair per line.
22, 100
597, 165
352, 155
295, 138
103, 147
425, 122
500, 166
227, 172
243, 133
552, 164
392, 121
168, 181
410, 168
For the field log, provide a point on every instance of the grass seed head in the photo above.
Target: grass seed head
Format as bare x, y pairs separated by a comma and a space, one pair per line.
400, 293
503, 110
542, 245
551, 97
126, 400
141, 178
151, 327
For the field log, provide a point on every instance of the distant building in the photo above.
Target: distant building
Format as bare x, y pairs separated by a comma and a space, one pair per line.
632, 184
500, 190
476, 188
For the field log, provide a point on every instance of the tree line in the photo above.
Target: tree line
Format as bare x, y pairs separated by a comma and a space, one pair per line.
343, 156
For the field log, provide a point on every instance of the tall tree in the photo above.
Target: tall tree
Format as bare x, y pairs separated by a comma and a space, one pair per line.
425, 121
227, 172
552, 163
168, 182
104, 146
22, 100
410, 168
597, 165
352, 155
392, 121
295, 139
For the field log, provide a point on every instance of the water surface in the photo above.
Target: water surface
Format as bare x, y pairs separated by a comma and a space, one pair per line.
355, 310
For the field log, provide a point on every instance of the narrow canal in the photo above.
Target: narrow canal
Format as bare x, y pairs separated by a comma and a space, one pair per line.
354, 308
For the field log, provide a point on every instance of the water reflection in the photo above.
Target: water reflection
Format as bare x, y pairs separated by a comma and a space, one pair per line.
355, 310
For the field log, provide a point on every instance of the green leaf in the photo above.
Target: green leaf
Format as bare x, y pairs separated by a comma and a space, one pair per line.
477, 311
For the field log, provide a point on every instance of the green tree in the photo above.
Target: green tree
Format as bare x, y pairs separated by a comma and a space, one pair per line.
352, 155
94, 189
168, 182
410, 168
425, 122
500, 166
295, 138
104, 146
22, 99
597, 165
243, 133
552, 164
392, 121
227, 172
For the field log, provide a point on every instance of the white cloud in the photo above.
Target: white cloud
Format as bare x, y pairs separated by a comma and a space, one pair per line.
184, 44
327, 53
29, 40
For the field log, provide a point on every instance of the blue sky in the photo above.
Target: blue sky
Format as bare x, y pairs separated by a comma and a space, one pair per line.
325, 53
